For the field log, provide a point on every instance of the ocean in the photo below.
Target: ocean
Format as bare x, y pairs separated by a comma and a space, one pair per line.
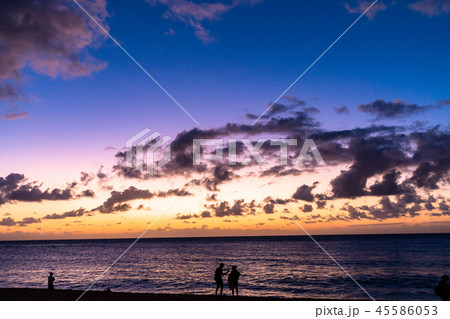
393, 267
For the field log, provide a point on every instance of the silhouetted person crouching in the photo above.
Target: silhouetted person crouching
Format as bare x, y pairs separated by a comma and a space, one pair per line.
218, 278
51, 280
443, 290
233, 279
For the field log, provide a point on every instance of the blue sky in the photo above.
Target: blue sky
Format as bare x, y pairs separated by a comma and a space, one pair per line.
257, 52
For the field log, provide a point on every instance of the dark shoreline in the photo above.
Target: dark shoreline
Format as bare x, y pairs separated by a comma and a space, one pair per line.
33, 294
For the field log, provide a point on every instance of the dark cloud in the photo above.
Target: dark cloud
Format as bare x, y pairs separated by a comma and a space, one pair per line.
22, 223
427, 175
222, 209
73, 213
280, 170
275, 109
86, 178
211, 197
321, 204
304, 193
385, 209
378, 150
122, 170
355, 213
307, 208
32, 193
100, 175
28, 220
335, 146
288, 217
112, 204
9, 184
392, 110
181, 162
117, 199
205, 214
125, 207
444, 208
8, 221
391, 209
173, 192
15, 187
371, 156
388, 186
294, 100
50, 37
384, 154
279, 201
311, 110
432, 156
87, 193
429, 206
341, 110
269, 208
221, 174
358, 132
184, 217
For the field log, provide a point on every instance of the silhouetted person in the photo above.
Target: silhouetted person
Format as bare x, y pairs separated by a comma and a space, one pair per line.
51, 280
218, 278
443, 290
233, 279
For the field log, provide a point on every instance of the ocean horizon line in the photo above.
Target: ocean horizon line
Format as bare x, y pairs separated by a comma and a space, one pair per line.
227, 237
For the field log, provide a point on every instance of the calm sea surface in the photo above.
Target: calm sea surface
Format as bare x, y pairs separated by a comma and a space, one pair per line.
404, 267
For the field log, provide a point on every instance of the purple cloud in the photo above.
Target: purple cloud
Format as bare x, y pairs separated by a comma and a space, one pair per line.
195, 14
431, 8
362, 6
50, 37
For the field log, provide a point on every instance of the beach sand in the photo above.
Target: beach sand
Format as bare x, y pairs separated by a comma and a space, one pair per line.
31, 294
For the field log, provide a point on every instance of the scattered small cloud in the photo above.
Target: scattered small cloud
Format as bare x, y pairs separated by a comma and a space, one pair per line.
269, 208
196, 14
431, 8
341, 110
169, 32
393, 110
11, 116
362, 6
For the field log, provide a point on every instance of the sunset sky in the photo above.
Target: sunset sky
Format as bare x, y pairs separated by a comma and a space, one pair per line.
376, 105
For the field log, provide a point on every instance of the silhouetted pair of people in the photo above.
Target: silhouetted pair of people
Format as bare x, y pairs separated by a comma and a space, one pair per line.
443, 289
51, 280
233, 279
218, 278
